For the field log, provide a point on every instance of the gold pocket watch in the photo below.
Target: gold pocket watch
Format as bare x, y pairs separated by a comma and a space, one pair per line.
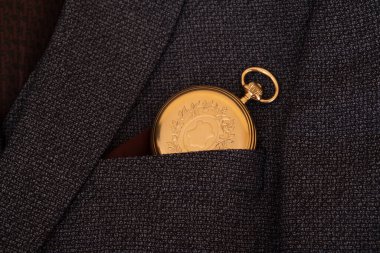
204, 118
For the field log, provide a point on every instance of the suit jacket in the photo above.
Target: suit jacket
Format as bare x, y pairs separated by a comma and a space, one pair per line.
312, 185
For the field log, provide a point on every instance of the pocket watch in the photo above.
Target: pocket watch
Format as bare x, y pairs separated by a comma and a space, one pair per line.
205, 117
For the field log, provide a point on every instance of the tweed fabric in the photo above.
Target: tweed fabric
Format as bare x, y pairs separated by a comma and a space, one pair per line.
26, 27
180, 203
312, 185
37, 187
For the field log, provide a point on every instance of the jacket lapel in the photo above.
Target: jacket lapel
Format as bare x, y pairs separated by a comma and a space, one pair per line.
99, 58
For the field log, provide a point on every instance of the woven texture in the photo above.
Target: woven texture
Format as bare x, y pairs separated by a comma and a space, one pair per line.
26, 27
312, 185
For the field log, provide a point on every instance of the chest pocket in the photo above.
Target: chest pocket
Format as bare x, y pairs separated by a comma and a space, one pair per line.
202, 200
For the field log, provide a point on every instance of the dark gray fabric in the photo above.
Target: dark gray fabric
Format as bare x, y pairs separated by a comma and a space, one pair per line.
176, 203
78, 96
312, 185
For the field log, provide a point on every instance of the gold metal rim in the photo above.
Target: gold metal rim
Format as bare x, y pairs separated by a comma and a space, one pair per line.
266, 73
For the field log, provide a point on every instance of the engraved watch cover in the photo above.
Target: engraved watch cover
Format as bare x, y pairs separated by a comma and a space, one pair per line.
203, 118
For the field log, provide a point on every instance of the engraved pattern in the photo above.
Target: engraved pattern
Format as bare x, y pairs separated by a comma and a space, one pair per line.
205, 120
